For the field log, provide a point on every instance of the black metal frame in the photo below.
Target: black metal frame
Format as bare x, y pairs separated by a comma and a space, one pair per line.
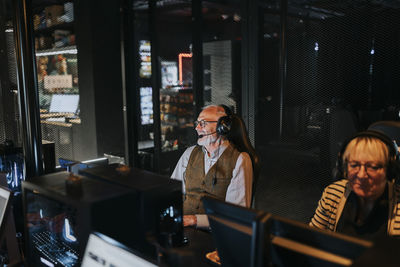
156, 83
7, 87
27, 87
197, 59
250, 64
282, 62
131, 96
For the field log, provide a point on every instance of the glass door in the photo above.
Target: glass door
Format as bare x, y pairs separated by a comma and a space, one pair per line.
57, 73
164, 81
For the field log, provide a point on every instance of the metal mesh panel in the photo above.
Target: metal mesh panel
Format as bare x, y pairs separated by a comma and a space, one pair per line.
334, 87
11, 156
221, 53
9, 114
219, 73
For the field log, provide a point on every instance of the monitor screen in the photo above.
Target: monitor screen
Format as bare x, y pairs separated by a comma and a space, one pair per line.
4, 199
295, 243
64, 104
104, 251
245, 226
52, 229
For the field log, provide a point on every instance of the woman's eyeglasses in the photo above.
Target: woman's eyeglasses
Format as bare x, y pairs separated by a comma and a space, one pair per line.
202, 123
370, 168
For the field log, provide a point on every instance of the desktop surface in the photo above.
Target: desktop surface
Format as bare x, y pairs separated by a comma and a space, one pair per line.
55, 184
134, 178
385, 252
193, 254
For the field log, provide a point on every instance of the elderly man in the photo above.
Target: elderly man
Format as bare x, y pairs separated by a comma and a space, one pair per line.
213, 167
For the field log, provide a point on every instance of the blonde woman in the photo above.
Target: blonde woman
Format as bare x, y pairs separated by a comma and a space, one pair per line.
365, 202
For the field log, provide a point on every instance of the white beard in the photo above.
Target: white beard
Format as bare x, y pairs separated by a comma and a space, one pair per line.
207, 140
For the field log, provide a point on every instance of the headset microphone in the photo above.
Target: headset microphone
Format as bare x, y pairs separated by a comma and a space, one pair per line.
202, 135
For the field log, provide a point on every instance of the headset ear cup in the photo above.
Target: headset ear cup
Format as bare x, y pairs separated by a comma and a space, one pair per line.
393, 170
224, 125
338, 172
344, 173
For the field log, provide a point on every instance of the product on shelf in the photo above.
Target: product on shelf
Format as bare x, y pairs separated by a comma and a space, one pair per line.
176, 115
53, 14
62, 38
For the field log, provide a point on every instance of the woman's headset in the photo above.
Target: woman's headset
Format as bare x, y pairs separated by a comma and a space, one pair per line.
393, 168
224, 123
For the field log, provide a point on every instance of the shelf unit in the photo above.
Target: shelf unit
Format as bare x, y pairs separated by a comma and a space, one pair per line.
176, 115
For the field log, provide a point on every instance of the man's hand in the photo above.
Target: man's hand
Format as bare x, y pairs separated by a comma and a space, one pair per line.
189, 220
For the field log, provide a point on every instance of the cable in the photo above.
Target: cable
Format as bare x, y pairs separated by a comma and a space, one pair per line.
214, 180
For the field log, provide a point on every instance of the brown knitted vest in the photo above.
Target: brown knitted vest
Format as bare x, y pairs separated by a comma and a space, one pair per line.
198, 184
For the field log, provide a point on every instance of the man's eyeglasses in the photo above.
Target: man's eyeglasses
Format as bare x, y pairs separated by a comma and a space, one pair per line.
202, 123
370, 168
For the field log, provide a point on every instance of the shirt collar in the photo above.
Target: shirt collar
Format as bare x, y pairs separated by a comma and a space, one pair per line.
218, 152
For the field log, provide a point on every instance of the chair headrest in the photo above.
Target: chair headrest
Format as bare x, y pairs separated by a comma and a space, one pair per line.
389, 128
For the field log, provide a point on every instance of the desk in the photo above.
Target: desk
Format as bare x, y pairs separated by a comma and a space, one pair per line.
384, 253
193, 253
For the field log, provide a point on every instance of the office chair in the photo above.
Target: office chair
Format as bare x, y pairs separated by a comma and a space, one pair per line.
239, 137
389, 128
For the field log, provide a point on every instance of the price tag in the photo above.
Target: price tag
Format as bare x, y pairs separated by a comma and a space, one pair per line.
57, 81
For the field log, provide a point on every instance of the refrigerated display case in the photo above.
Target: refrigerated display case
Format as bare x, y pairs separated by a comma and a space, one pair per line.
177, 116
57, 73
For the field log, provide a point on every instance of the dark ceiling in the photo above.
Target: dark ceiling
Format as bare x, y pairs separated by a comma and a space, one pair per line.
312, 9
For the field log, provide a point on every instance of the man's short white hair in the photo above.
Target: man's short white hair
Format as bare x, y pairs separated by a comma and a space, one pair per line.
220, 111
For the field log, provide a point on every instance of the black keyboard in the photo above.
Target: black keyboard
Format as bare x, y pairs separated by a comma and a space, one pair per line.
57, 252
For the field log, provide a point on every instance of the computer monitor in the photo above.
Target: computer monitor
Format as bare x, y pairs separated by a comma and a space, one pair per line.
60, 214
246, 237
295, 243
157, 207
102, 250
8, 240
238, 233
5, 196
64, 104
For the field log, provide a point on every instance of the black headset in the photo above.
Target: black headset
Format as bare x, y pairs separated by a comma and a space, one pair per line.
393, 168
224, 123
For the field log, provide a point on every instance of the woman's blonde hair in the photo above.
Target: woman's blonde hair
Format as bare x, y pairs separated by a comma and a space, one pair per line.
371, 146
